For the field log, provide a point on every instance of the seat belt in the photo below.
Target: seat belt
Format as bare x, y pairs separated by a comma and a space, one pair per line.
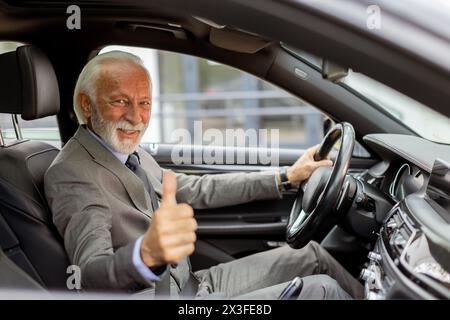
162, 287
191, 287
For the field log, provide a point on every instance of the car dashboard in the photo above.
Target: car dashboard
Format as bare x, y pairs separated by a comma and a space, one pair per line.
407, 179
411, 255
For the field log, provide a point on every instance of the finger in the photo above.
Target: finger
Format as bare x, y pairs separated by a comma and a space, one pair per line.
323, 163
311, 151
169, 190
178, 226
179, 239
174, 255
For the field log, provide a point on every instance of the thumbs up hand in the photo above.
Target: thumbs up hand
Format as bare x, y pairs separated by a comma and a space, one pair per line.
171, 235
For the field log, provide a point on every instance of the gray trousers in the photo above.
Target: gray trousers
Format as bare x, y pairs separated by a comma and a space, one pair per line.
264, 276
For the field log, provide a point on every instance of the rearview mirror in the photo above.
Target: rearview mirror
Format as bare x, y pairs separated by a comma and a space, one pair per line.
333, 71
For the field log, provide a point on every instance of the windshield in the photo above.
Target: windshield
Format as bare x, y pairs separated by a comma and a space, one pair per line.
419, 118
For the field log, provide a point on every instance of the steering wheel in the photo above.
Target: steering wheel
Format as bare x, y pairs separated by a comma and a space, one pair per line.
314, 209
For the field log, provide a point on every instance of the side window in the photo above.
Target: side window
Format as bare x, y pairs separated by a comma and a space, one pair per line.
45, 129
194, 94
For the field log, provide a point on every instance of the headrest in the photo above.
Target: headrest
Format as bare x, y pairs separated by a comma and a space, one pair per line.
28, 84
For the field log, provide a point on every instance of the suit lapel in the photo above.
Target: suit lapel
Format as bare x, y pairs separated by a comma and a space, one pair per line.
152, 168
133, 185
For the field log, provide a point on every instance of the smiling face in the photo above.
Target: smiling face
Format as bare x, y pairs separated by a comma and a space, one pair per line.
121, 111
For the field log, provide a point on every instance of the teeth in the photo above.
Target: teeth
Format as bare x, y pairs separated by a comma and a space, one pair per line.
128, 131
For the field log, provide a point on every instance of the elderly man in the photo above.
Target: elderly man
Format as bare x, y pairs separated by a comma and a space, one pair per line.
129, 224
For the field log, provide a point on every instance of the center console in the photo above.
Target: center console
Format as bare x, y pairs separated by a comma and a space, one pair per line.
411, 257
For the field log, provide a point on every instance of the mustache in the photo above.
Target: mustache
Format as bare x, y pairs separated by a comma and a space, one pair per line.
125, 125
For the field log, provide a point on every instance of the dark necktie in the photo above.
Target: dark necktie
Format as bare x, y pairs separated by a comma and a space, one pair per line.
133, 163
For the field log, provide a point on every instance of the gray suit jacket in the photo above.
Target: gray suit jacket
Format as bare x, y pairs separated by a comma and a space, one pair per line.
100, 208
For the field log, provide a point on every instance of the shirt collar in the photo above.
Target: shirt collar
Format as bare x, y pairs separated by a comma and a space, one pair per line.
123, 157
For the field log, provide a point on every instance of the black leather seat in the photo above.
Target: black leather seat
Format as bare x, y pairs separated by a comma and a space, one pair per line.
28, 86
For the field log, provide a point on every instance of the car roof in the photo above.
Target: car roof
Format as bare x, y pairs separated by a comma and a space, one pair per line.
168, 24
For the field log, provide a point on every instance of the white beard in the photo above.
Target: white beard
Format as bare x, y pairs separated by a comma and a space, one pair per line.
107, 130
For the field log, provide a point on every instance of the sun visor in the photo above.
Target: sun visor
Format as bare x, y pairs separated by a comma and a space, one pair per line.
236, 40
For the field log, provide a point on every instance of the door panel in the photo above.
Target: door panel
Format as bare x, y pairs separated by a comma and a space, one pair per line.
266, 218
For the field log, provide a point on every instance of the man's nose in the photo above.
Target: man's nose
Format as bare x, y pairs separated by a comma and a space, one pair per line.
133, 114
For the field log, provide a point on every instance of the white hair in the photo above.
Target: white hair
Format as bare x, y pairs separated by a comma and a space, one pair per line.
87, 80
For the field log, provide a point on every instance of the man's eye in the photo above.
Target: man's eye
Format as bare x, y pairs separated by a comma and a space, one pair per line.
145, 104
120, 102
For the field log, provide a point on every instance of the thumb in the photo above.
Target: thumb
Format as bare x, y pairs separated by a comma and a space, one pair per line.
169, 189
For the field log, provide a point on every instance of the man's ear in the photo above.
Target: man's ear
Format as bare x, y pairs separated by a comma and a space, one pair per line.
85, 104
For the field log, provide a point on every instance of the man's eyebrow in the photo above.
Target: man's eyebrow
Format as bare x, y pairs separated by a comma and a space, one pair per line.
118, 94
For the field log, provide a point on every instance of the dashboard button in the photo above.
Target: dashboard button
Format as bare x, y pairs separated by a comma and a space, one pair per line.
391, 224
367, 275
373, 256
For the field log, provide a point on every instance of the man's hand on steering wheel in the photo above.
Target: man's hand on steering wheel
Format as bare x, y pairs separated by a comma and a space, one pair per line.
316, 206
302, 169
